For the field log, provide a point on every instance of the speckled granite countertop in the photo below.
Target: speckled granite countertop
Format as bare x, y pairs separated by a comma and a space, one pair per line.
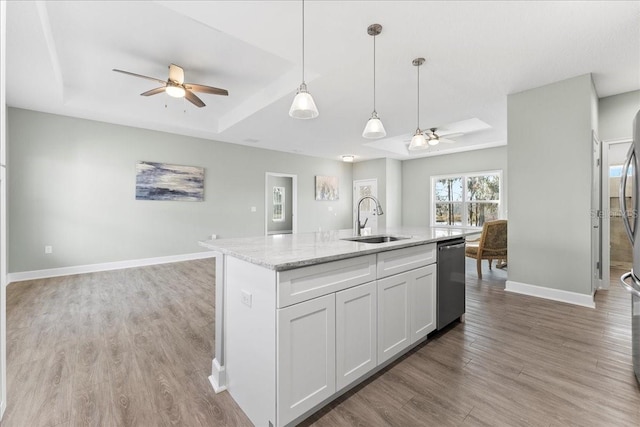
288, 251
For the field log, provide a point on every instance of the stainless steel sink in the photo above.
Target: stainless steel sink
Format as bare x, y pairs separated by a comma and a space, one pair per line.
375, 239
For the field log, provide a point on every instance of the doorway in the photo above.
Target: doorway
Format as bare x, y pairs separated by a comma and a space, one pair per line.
361, 188
616, 248
280, 203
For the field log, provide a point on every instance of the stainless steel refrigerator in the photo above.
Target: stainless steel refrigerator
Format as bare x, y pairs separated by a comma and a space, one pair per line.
631, 280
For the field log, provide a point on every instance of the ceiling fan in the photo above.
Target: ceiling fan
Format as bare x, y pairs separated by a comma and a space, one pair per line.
177, 88
434, 138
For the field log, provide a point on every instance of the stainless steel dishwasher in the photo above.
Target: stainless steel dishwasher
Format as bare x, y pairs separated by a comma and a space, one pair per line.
451, 282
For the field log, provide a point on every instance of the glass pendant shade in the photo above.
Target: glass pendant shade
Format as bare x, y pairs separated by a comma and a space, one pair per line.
374, 128
418, 141
303, 106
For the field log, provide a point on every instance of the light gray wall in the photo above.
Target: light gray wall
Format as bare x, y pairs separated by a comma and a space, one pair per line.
616, 115
394, 193
72, 186
417, 173
286, 183
549, 154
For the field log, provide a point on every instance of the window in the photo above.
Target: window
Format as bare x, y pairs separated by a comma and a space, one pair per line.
278, 204
465, 200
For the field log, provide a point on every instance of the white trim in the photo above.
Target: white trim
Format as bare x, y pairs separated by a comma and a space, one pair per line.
606, 210
551, 293
218, 377
92, 268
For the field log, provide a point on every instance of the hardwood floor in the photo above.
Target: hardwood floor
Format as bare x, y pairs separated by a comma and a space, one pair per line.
134, 347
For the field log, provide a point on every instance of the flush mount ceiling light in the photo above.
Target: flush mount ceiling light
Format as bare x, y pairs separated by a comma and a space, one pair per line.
374, 128
418, 141
348, 158
303, 106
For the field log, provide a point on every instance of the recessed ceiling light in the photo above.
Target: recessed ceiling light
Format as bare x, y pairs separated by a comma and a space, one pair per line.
348, 158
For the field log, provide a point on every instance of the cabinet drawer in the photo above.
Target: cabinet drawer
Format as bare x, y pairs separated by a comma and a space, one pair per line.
302, 284
401, 260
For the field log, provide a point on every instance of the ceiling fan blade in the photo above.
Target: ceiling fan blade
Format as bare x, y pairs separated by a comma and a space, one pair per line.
139, 75
451, 135
176, 73
206, 89
191, 97
154, 91
447, 141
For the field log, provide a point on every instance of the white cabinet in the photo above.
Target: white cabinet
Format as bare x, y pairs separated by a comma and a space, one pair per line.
422, 294
356, 336
306, 363
393, 316
406, 310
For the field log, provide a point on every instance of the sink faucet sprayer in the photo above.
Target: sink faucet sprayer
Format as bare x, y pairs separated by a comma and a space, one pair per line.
377, 211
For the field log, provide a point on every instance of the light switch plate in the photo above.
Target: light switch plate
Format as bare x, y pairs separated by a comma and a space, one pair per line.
245, 298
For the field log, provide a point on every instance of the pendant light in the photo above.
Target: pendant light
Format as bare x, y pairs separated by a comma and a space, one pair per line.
374, 128
418, 141
303, 106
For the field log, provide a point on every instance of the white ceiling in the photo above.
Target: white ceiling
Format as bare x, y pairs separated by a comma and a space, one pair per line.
60, 56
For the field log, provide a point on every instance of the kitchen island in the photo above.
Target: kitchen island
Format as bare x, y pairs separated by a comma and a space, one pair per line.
302, 318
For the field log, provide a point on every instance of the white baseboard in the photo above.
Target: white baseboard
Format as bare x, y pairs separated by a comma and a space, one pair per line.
92, 268
552, 294
218, 377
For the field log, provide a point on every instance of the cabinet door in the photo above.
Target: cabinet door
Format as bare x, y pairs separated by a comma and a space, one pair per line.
306, 373
356, 350
422, 294
393, 315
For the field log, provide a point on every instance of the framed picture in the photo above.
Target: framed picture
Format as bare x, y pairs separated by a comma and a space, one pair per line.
162, 181
326, 187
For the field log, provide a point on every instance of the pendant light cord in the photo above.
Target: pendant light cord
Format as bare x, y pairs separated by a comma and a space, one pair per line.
418, 117
302, 41
374, 73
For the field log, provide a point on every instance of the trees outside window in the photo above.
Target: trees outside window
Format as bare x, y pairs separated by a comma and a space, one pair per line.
465, 200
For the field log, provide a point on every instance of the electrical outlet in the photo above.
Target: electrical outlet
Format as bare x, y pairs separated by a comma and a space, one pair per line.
253, 209
48, 249
245, 298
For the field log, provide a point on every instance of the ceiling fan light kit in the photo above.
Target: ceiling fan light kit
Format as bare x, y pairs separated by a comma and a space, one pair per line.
374, 127
303, 106
175, 90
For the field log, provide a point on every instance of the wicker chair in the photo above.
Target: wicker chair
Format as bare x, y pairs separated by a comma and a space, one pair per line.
491, 245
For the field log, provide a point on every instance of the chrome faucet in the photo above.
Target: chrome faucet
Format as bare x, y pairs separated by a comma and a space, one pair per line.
378, 211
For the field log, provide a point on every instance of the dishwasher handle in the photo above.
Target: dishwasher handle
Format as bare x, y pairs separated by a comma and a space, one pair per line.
447, 247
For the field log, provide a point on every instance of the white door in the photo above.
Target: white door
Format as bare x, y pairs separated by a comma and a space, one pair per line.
356, 334
393, 316
422, 294
365, 187
306, 371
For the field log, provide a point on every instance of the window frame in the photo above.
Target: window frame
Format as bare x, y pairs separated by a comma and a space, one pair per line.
465, 203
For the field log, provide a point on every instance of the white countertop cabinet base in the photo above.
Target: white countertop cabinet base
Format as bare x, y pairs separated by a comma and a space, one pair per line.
297, 339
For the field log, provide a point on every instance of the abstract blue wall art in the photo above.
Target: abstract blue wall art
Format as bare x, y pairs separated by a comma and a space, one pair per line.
161, 181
